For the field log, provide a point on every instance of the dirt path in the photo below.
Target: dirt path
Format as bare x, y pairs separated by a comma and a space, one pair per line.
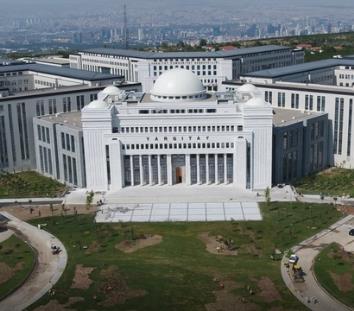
47, 271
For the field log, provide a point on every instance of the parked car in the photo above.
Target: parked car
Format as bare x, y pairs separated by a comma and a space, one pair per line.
293, 259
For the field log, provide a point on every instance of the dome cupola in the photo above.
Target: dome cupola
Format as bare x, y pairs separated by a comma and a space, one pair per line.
177, 85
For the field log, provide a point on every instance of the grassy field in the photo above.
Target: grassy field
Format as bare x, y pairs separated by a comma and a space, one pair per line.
16, 262
28, 185
334, 182
179, 274
334, 269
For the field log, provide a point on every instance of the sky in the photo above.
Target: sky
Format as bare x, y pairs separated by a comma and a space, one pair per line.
22, 8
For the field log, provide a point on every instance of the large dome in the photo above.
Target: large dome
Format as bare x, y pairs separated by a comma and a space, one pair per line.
177, 83
111, 90
97, 104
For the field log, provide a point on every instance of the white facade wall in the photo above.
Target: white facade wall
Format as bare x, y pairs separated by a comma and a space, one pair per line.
196, 136
51, 163
211, 70
17, 81
19, 111
324, 99
345, 76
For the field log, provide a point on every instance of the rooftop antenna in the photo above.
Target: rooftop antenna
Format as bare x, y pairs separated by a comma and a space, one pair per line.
125, 27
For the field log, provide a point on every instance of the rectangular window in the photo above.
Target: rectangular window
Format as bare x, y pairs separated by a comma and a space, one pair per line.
47, 134
67, 142
268, 97
65, 168
39, 132
80, 102
340, 138
62, 141
350, 127
336, 122
72, 143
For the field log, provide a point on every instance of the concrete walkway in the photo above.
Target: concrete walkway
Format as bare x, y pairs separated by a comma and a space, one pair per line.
5, 235
47, 271
179, 194
311, 291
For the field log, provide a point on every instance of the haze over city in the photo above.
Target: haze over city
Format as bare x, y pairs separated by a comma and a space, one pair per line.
41, 25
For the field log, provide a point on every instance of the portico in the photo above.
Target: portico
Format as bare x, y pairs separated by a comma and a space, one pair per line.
172, 169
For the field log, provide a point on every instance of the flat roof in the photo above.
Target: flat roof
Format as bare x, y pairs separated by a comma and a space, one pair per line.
69, 119
60, 90
298, 86
60, 71
300, 68
281, 117
285, 117
216, 54
56, 61
52, 91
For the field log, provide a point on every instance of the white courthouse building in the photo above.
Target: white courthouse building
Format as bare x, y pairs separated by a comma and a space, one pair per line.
212, 68
321, 86
178, 133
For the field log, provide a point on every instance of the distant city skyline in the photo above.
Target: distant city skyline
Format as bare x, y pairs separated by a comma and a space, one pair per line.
39, 25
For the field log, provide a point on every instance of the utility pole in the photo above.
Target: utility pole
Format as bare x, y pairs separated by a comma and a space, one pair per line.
125, 27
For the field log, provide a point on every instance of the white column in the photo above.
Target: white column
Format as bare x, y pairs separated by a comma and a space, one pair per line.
141, 170
131, 170
117, 165
188, 169
150, 169
169, 170
159, 169
240, 160
225, 168
216, 169
198, 169
207, 168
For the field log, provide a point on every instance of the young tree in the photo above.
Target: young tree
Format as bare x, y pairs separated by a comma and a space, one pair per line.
89, 199
267, 195
51, 208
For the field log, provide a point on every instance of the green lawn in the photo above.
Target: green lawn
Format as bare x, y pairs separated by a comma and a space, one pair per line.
16, 262
178, 273
334, 269
28, 184
334, 182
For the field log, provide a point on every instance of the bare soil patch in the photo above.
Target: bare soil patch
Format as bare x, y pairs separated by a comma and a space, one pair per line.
93, 248
343, 281
269, 292
82, 277
54, 305
115, 288
341, 254
130, 246
28, 212
227, 301
7, 272
216, 245
346, 209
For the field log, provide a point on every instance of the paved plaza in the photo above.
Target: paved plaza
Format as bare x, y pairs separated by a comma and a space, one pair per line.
159, 212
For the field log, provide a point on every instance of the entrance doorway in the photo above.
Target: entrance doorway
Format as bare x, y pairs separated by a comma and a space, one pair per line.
179, 175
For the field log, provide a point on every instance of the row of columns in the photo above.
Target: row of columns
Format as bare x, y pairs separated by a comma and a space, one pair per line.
188, 177
216, 166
